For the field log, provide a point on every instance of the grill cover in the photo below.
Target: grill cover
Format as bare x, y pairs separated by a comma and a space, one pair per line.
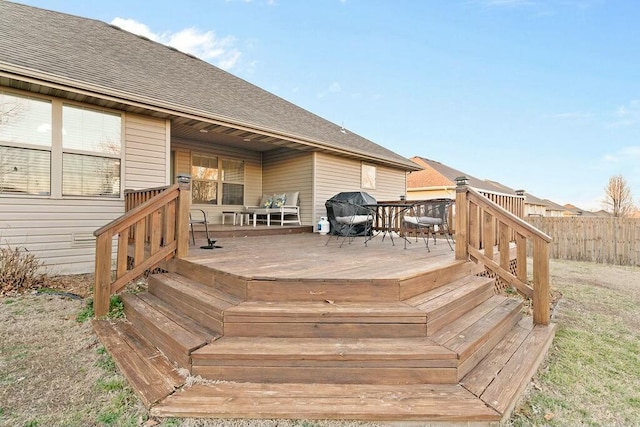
356, 197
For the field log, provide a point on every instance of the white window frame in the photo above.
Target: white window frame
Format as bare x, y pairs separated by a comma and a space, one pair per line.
368, 174
57, 150
220, 181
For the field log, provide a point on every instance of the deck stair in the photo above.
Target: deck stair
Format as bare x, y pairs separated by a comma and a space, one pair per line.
447, 336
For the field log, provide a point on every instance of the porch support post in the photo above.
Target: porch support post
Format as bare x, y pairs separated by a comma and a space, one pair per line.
462, 219
182, 216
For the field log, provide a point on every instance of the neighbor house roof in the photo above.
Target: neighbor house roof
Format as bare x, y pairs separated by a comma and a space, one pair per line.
553, 206
436, 174
528, 197
70, 52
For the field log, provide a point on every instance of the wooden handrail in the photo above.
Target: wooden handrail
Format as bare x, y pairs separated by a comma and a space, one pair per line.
156, 229
481, 225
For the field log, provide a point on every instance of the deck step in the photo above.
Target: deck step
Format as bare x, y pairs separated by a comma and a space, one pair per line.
509, 383
326, 360
424, 282
200, 302
324, 319
476, 333
448, 302
425, 403
174, 334
150, 374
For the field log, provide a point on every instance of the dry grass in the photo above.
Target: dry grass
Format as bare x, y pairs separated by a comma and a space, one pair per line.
592, 375
50, 365
54, 373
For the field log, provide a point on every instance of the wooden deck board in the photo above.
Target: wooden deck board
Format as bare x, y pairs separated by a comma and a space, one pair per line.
432, 402
484, 373
513, 378
468, 340
455, 328
306, 256
150, 375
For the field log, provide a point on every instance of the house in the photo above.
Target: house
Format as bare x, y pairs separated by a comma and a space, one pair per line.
533, 206
553, 209
88, 110
437, 180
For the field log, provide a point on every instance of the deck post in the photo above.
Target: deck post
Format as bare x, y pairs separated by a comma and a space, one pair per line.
462, 219
102, 286
182, 215
541, 310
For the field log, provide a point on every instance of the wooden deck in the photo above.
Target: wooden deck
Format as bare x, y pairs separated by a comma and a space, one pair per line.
295, 326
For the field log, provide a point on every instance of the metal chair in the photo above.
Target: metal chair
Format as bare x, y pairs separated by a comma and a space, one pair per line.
349, 220
426, 216
199, 216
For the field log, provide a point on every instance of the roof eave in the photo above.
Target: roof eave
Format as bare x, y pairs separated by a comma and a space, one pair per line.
58, 82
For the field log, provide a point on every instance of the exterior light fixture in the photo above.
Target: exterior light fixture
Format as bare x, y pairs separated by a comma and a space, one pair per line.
462, 181
184, 178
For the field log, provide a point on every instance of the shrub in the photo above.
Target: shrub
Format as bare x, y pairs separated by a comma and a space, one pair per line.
20, 270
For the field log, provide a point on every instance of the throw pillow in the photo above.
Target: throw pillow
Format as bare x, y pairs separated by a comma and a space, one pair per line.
279, 200
267, 201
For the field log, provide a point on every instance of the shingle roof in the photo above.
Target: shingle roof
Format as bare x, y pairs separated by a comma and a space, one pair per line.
553, 206
437, 174
96, 56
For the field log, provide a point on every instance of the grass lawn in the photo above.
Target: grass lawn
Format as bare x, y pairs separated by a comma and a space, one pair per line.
53, 371
592, 375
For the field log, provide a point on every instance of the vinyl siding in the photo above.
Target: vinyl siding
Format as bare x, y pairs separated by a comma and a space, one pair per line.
431, 194
286, 170
336, 174
252, 172
59, 231
146, 153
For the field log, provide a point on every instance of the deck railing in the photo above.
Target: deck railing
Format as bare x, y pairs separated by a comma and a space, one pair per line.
481, 225
154, 226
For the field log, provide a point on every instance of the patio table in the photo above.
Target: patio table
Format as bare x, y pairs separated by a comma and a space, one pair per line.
387, 217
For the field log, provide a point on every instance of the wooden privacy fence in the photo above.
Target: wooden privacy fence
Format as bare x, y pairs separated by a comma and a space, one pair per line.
594, 239
153, 229
482, 226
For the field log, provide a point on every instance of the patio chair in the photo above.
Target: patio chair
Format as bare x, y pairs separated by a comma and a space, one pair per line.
199, 216
350, 220
428, 217
279, 207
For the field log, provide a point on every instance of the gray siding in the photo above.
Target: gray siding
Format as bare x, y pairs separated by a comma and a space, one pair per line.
337, 174
60, 230
146, 159
286, 170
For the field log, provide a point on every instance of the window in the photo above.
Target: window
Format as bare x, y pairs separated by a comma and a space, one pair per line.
91, 152
232, 182
24, 171
25, 145
85, 146
204, 179
216, 180
368, 176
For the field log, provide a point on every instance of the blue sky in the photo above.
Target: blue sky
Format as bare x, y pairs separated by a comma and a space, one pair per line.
537, 94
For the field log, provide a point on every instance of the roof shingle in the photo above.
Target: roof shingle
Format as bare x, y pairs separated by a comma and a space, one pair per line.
96, 56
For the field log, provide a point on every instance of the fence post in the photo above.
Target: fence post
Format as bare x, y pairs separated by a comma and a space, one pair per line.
182, 215
462, 219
